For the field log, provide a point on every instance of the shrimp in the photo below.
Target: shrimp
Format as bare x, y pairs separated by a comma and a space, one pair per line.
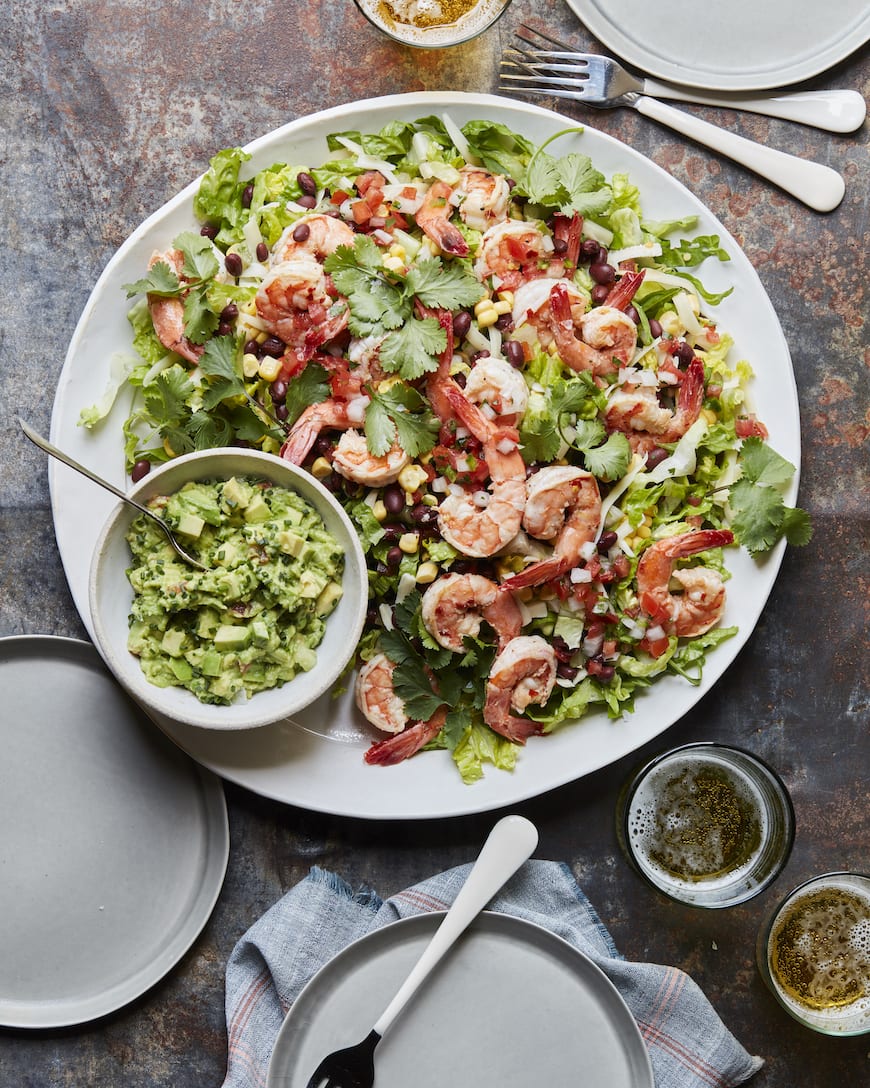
167, 314
508, 250
486, 197
608, 337
532, 307
637, 413
482, 523
326, 415
433, 218
293, 302
353, 460
523, 673
375, 697
564, 505
407, 743
497, 385
702, 601
314, 236
454, 606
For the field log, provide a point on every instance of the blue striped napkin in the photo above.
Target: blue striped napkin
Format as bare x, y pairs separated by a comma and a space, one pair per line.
689, 1046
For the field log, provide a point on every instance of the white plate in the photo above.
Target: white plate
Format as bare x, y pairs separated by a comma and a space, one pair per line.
319, 766
114, 844
473, 1022
735, 45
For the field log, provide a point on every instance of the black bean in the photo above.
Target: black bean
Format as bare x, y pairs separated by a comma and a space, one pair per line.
589, 250
504, 322
655, 456
560, 246
394, 499
633, 314
602, 272
306, 183
513, 352
565, 671
279, 391
208, 231
140, 469
262, 251
461, 324
685, 354
606, 541
273, 346
301, 233
229, 312
394, 557
655, 328
606, 673
247, 195
224, 328
460, 379
322, 445
251, 347
282, 411
392, 531
233, 263
483, 354
599, 294
307, 201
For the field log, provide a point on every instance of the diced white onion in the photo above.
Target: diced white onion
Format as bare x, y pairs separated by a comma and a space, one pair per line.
382, 236
506, 446
580, 574
591, 646
588, 550
456, 489
495, 342
462, 464
655, 633
407, 585
356, 409
386, 614
481, 499
634, 253
438, 485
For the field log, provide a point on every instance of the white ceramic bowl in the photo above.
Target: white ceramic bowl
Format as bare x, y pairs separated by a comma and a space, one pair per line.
111, 594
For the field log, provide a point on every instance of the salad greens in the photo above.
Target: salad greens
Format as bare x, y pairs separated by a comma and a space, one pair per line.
414, 320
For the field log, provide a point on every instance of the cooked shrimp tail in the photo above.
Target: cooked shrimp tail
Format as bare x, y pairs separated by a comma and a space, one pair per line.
523, 673
433, 218
702, 601
395, 749
624, 291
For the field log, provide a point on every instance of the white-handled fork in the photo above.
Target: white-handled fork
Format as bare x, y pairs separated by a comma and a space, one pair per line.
601, 83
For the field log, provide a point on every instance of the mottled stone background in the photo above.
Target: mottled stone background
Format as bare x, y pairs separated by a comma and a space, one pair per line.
107, 110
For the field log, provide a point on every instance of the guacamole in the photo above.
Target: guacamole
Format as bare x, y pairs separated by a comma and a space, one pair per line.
253, 619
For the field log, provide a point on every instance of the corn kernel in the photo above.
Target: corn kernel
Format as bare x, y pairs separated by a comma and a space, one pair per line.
388, 383
249, 308
409, 543
261, 337
321, 468
379, 511
487, 318
427, 573
393, 264
506, 296
709, 415
644, 532
397, 250
412, 477
250, 365
269, 368
483, 306
502, 306
671, 324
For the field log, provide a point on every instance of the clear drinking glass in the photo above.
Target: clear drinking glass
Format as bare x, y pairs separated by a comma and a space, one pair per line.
706, 824
814, 953
432, 24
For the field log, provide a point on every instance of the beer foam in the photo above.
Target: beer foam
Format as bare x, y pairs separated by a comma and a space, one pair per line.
399, 19
819, 956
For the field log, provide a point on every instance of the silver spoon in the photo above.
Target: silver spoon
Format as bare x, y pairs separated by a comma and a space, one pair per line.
45, 445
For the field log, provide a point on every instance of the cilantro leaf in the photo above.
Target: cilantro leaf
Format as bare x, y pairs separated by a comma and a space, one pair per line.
610, 461
542, 182
413, 350
414, 688
309, 386
218, 361
797, 526
166, 397
390, 416
586, 189
200, 321
763, 465
757, 515
449, 287
161, 280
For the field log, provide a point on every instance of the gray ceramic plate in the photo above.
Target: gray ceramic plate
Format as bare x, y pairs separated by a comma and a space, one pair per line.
511, 1005
114, 844
739, 45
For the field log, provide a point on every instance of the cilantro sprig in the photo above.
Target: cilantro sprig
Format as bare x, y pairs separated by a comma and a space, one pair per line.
200, 267
400, 414
759, 514
382, 305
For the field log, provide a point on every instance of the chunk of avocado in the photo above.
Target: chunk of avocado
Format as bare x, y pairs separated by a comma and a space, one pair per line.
328, 599
257, 509
190, 524
291, 543
236, 493
209, 621
212, 663
259, 633
173, 642
198, 499
232, 636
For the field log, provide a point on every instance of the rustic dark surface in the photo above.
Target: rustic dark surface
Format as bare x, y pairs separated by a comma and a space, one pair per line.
108, 109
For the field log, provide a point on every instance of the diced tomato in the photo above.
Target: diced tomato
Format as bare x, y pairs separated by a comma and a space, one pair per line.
338, 197
750, 427
362, 213
654, 647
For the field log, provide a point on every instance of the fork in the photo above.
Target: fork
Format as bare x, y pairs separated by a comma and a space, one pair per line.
602, 83
836, 110
508, 845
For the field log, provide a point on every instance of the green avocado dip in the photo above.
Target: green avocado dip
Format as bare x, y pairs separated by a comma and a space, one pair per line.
252, 620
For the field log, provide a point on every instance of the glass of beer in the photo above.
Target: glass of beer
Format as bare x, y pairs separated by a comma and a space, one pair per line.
706, 824
814, 953
432, 24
